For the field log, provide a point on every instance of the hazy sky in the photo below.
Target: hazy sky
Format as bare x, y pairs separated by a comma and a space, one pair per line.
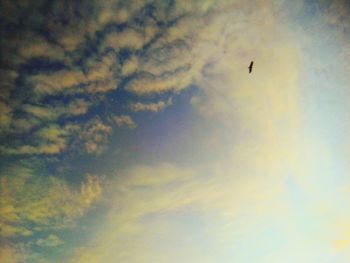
131, 131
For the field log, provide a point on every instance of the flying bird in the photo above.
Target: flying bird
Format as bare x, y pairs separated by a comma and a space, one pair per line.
251, 67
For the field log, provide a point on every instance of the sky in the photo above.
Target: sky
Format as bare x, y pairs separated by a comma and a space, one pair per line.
132, 131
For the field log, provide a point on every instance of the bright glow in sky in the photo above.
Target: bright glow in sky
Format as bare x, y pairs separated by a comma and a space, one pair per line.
131, 131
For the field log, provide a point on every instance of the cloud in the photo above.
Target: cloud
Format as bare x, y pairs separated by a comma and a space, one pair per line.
88, 54
39, 47
146, 83
240, 195
75, 107
5, 115
148, 48
130, 66
57, 82
167, 56
95, 136
58, 67
99, 77
9, 254
153, 107
336, 14
175, 60
32, 203
8, 78
147, 197
149, 176
125, 39
42, 112
102, 74
124, 120
78, 107
24, 125
48, 140
50, 241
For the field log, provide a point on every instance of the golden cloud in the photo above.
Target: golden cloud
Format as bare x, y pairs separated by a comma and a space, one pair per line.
259, 110
75, 107
99, 77
51, 139
8, 78
130, 66
207, 43
102, 68
24, 124
176, 59
57, 82
45, 202
95, 135
39, 47
153, 107
5, 115
146, 84
124, 120
144, 195
125, 39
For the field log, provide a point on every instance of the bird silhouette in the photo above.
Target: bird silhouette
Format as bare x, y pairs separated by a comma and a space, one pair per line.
251, 67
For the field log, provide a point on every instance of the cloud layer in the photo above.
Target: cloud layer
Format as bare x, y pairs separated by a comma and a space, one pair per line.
46, 204
87, 84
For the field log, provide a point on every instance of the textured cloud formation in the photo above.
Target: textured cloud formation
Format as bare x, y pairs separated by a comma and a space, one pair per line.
50, 241
270, 191
5, 115
124, 120
265, 194
150, 47
46, 203
51, 140
95, 135
76, 107
146, 198
10, 255
99, 77
153, 107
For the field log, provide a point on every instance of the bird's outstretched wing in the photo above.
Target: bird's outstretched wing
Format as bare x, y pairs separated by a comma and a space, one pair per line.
251, 67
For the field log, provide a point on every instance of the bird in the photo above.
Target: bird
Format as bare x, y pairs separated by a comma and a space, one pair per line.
251, 67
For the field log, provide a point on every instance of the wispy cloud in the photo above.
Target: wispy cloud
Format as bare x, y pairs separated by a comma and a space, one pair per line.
271, 184
50, 241
47, 203
124, 120
99, 77
48, 140
95, 136
75, 107
149, 194
125, 39
153, 107
11, 255
5, 115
